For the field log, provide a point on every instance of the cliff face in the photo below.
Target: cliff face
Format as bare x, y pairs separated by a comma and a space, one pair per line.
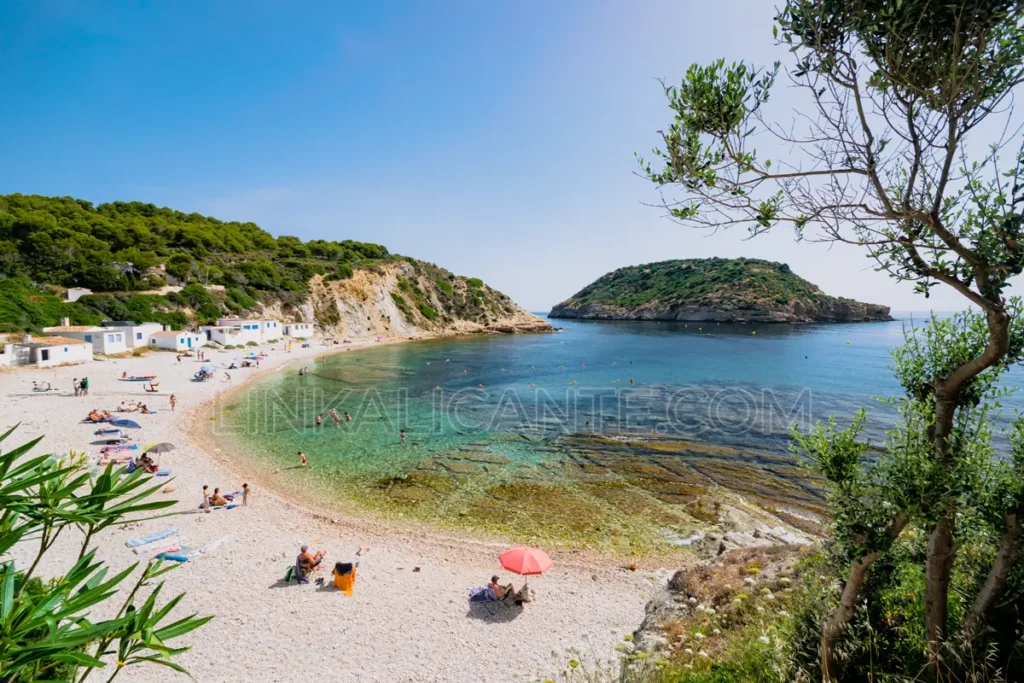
411, 298
712, 290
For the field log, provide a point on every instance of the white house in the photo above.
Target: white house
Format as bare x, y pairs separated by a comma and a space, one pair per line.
45, 352
254, 330
135, 334
225, 336
175, 340
105, 341
298, 330
76, 293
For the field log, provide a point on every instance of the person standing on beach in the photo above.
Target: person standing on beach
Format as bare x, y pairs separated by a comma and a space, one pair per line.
401, 435
85, 386
174, 401
77, 387
227, 377
302, 457
245, 494
206, 498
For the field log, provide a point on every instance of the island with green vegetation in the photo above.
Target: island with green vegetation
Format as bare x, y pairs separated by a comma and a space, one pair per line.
137, 261
712, 290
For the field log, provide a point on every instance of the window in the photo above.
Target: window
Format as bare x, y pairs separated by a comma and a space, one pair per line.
152, 340
88, 338
65, 349
119, 337
45, 355
138, 335
110, 337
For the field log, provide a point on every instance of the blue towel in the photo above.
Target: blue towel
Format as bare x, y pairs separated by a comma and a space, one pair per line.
149, 538
481, 594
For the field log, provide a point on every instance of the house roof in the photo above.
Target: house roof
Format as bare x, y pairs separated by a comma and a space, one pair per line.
72, 328
38, 342
170, 333
118, 323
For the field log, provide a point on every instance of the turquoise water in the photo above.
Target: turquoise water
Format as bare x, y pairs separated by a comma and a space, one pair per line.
739, 386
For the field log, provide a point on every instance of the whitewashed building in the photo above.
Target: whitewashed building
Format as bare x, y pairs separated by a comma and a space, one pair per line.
224, 335
254, 330
175, 340
104, 341
45, 352
298, 330
135, 334
75, 293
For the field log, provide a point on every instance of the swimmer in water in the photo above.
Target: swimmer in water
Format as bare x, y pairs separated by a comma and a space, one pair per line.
630, 380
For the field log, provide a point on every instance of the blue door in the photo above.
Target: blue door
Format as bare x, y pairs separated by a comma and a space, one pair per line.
189, 342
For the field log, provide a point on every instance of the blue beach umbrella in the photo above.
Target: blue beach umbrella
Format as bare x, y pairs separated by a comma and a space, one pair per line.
126, 423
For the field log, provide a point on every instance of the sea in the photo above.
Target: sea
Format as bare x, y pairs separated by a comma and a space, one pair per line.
607, 431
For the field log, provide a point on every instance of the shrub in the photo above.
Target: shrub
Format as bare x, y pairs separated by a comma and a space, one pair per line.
427, 312
474, 282
56, 632
444, 286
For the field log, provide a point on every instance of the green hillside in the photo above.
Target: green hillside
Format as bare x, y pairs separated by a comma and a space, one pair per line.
698, 282
48, 244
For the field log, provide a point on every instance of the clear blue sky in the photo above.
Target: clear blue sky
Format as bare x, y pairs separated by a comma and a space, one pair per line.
492, 138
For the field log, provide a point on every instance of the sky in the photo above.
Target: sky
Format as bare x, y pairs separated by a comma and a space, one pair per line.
495, 139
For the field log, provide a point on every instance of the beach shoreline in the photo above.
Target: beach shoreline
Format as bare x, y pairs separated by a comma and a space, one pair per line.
412, 584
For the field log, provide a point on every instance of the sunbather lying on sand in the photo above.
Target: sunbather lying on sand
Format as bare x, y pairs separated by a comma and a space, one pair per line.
99, 415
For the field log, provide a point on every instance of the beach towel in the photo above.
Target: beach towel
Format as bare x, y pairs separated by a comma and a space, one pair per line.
478, 594
163, 473
167, 549
150, 538
299, 575
172, 557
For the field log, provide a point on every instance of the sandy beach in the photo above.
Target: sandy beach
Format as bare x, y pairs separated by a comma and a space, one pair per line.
408, 619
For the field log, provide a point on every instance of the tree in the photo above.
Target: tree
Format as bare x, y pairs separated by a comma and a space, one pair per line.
892, 157
46, 630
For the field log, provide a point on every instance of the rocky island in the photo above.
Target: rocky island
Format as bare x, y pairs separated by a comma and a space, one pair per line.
712, 290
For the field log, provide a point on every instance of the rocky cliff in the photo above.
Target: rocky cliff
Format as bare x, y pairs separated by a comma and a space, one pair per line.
410, 298
712, 290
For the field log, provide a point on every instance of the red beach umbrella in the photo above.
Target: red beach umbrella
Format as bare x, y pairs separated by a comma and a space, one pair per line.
525, 560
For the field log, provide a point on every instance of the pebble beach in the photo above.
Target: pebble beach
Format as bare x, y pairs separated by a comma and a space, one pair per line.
408, 618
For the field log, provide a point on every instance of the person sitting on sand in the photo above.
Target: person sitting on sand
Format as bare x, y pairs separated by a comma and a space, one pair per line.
306, 562
146, 463
500, 592
144, 409
216, 500
124, 375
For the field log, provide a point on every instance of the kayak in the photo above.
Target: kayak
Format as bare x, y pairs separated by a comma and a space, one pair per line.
144, 378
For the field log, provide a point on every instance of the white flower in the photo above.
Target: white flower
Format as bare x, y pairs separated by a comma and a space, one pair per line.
693, 601
769, 597
749, 581
698, 635
764, 640
701, 608
702, 654
783, 613
688, 651
716, 632
784, 581
710, 610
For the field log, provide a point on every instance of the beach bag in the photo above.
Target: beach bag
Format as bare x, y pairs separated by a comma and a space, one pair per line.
344, 577
526, 594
